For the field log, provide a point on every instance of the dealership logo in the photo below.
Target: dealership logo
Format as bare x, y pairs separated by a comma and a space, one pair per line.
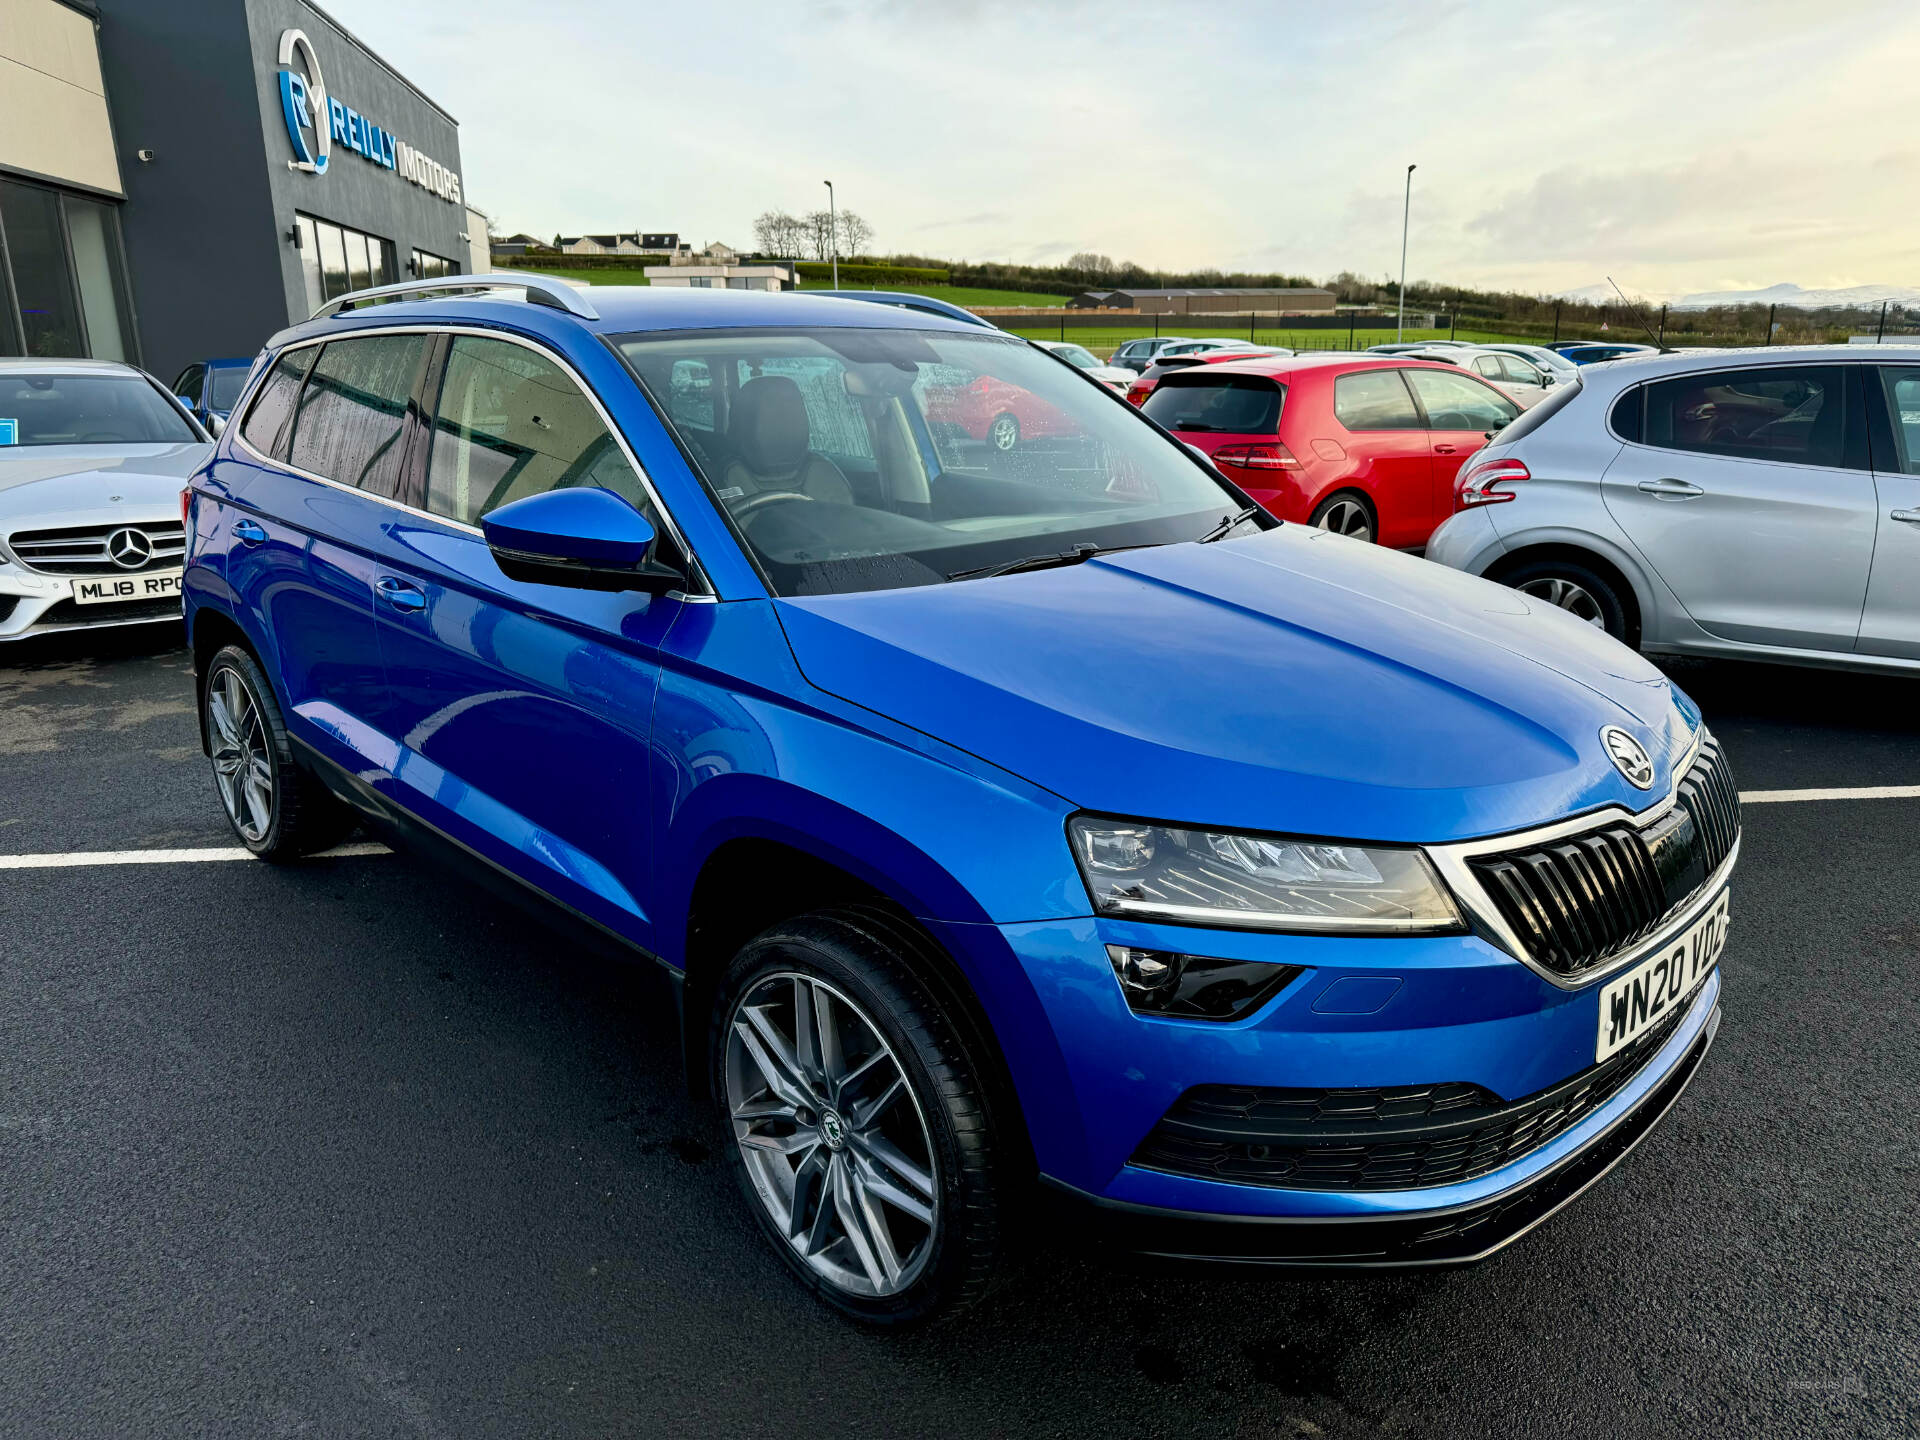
303, 101
129, 549
1628, 758
316, 119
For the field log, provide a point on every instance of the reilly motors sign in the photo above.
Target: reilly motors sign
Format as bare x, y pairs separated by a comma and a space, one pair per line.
315, 120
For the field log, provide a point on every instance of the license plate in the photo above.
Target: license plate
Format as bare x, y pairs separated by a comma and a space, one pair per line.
119, 589
1660, 984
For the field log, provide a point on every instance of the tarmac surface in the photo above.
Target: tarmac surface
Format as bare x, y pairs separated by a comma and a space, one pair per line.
349, 1149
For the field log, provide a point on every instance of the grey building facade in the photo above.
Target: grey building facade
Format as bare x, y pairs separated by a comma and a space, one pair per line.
262, 159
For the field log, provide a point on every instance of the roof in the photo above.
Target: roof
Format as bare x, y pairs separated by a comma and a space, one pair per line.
1278, 365
35, 365
624, 308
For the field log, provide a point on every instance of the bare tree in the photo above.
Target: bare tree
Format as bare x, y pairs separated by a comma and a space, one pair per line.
1090, 262
819, 233
778, 233
855, 234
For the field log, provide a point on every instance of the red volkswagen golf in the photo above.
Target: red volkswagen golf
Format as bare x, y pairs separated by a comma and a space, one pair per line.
1365, 445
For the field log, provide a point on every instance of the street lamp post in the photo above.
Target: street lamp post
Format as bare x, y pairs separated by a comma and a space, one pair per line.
833, 232
1406, 212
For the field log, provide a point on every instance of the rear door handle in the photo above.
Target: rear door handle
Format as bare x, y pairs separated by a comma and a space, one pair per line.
1906, 517
1443, 449
1672, 489
248, 533
407, 599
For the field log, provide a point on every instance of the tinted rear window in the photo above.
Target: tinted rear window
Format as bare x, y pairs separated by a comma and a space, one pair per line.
68, 409
265, 428
1235, 404
349, 424
1794, 414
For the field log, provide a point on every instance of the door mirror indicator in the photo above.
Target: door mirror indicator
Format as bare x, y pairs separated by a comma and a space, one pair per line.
584, 539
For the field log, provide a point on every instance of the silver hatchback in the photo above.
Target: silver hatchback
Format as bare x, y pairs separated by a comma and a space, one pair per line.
1756, 503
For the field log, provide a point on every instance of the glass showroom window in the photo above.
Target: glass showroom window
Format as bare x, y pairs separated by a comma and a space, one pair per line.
428, 266
62, 280
335, 259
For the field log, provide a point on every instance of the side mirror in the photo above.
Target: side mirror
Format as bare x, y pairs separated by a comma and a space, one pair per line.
215, 425
585, 539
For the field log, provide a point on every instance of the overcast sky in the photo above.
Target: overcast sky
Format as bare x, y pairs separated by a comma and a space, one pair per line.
1677, 145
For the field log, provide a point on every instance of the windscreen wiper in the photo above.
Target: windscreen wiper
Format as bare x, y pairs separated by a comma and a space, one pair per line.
1227, 526
1073, 555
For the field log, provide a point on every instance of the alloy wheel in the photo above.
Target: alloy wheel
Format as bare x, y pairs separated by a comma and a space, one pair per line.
832, 1134
1347, 517
242, 766
1575, 599
1005, 432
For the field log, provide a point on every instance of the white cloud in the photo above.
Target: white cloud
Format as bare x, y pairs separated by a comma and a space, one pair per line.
1694, 147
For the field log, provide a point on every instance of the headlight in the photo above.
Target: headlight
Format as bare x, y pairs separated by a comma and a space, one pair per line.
1139, 871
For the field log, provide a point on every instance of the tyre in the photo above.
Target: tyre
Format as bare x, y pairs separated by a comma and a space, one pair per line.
855, 1119
1579, 590
278, 810
1346, 513
1004, 432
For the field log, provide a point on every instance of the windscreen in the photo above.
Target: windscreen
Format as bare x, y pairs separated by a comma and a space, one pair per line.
855, 459
70, 409
1209, 401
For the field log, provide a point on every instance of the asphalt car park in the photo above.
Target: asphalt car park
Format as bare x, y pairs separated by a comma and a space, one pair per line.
350, 1148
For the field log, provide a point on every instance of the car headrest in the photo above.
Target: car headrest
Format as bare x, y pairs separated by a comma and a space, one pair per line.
770, 431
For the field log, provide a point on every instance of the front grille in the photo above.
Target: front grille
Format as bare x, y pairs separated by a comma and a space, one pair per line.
1579, 902
82, 549
1394, 1138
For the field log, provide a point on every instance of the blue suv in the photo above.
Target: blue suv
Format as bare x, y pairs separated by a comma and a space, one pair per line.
1037, 831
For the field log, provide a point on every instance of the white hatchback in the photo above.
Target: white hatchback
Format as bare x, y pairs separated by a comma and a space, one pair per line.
93, 456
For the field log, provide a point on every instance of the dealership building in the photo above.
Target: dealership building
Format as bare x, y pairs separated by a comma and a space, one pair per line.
181, 178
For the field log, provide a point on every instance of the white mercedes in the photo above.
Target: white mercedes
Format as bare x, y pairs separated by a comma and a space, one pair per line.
93, 456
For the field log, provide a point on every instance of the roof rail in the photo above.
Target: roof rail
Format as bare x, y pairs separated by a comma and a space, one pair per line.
541, 290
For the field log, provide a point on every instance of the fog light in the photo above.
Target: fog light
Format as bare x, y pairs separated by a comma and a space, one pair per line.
1195, 987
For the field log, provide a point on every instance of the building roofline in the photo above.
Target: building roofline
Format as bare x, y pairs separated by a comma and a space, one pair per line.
375, 56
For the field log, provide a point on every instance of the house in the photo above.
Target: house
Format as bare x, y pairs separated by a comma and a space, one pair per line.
515, 245
723, 277
628, 243
714, 254
1217, 300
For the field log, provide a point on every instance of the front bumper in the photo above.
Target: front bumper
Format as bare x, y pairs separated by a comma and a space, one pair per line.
34, 604
1430, 1228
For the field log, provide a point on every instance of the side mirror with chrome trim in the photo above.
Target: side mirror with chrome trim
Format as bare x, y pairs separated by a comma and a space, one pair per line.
584, 539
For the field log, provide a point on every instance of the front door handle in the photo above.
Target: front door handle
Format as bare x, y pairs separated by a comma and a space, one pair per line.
1906, 517
1443, 449
248, 532
1672, 489
407, 599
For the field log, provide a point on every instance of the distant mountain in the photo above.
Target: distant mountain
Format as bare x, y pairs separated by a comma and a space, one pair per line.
1605, 294
1863, 297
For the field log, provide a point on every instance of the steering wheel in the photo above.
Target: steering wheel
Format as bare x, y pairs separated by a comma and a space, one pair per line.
766, 497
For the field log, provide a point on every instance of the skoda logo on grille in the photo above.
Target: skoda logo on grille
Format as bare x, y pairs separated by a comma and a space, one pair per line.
1628, 757
129, 549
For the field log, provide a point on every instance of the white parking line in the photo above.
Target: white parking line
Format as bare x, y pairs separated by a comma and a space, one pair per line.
1857, 792
166, 857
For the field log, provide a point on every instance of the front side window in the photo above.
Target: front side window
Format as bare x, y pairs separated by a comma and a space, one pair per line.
1789, 413
1374, 400
265, 428
868, 459
62, 409
1453, 402
510, 423
1902, 389
351, 419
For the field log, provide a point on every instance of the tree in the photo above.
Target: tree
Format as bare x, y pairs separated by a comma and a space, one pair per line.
778, 233
819, 233
855, 234
1089, 262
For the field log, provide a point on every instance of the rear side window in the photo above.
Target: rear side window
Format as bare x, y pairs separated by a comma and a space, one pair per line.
1903, 408
1789, 413
1453, 402
510, 424
350, 423
1374, 400
1235, 404
1627, 414
265, 428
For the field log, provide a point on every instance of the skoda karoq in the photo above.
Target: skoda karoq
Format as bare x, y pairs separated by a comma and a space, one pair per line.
1042, 824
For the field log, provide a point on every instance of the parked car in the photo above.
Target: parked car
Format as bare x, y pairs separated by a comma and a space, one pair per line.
1757, 503
1114, 377
1551, 363
1410, 347
1519, 380
987, 408
767, 686
1136, 355
208, 389
1167, 364
1590, 353
92, 457
1211, 346
1363, 445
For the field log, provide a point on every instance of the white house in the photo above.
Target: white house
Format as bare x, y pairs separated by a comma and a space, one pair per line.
722, 277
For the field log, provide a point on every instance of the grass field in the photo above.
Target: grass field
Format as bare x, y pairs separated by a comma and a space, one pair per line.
952, 294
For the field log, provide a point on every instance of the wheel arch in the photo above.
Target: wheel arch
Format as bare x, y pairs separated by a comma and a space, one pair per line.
1624, 577
214, 630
